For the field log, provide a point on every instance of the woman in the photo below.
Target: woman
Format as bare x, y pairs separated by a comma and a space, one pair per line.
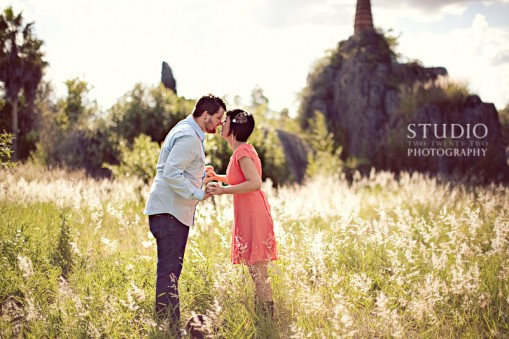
253, 240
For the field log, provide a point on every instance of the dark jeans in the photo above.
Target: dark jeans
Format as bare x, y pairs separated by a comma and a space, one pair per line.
171, 236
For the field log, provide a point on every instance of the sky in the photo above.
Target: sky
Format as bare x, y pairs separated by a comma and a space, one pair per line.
229, 47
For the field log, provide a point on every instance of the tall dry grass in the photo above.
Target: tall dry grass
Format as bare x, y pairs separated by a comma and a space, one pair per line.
412, 258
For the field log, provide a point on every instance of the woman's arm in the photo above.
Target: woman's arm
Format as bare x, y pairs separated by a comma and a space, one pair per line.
253, 180
212, 176
221, 178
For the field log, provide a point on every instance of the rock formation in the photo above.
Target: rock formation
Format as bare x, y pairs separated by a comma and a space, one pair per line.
167, 77
296, 154
401, 116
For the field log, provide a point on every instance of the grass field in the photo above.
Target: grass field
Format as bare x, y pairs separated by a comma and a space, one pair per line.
412, 258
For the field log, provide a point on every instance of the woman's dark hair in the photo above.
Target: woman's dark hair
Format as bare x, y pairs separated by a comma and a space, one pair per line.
241, 124
209, 103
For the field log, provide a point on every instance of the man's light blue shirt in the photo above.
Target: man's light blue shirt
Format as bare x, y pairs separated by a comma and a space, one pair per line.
176, 188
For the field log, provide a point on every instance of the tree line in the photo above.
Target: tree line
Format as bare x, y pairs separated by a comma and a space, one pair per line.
72, 132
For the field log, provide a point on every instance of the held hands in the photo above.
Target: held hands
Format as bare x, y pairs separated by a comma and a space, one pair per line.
214, 188
208, 178
210, 174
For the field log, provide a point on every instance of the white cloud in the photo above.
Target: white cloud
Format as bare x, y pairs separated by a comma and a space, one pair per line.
230, 46
387, 17
501, 58
491, 2
427, 6
221, 48
471, 55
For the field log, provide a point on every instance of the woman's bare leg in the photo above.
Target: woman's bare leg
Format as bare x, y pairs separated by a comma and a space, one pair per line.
260, 275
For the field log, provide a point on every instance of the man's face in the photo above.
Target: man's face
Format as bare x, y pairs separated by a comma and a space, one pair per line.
214, 121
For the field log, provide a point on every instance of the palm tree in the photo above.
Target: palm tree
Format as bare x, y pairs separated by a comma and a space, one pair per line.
21, 64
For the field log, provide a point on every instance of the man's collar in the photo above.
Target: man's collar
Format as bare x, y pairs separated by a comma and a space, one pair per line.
196, 128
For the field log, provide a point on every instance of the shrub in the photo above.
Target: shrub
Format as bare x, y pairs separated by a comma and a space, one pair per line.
6, 149
325, 158
62, 256
139, 161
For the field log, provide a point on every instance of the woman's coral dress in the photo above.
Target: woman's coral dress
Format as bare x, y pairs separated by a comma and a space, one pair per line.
253, 237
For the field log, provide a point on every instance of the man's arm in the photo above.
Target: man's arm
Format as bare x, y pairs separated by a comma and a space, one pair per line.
183, 153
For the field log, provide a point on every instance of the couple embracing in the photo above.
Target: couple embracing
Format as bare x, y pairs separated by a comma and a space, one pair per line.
177, 188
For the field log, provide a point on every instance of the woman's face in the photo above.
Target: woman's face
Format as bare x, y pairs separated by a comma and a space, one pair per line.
225, 128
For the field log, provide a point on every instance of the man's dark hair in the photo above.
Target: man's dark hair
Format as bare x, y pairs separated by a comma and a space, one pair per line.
241, 124
209, 103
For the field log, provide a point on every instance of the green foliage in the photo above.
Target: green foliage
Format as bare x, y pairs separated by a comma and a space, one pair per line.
21, 57
454, 93
6, 149
218, 152
67, 131
140, 160
27, 125
62, 256
371, 46
74, 135
266, 140
258, 98
75, 109
503, 116
444, 93
325, 157
286, 123
21, 67
272, 156
392, 42
152, 111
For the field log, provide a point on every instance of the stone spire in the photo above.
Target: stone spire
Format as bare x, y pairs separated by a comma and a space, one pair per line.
363, 18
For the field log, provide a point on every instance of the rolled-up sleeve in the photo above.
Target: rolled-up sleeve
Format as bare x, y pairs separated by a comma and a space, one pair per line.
183, 152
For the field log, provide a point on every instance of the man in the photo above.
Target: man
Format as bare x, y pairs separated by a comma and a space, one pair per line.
173, 196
